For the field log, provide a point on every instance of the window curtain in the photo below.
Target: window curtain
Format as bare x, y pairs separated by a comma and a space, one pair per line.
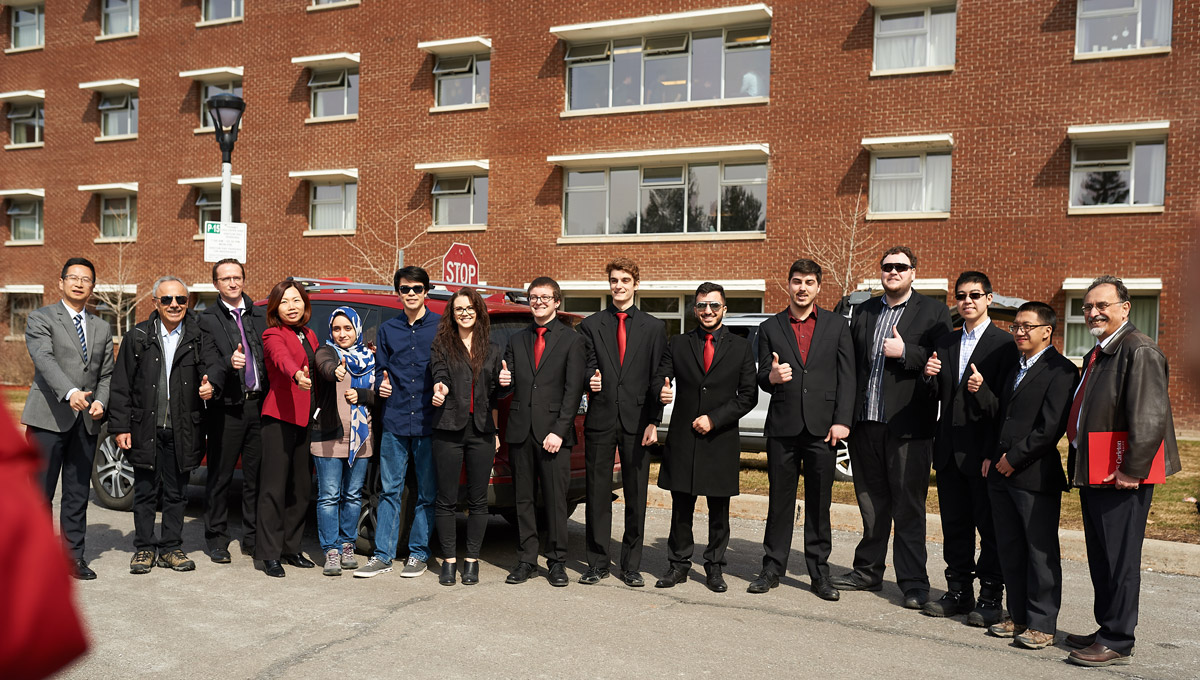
900, 52
1143, 314
1150, 168
327, 216
937, 182
1156, 23
941, 37
895, 195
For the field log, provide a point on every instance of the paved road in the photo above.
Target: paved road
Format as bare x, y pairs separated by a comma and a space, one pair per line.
231, 621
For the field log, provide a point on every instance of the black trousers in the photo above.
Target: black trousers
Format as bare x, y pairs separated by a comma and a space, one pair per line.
891, 482
451, 450
600, 449
69, 455
787, 459
1114, 526
1026, 525
233, 431
284, 487
966, 508
536, 469
680, 542
166, 480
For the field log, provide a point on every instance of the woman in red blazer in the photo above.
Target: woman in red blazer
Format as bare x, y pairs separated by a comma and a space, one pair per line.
284, 483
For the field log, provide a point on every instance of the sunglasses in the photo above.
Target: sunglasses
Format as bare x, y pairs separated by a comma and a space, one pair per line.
713, 306
165, 300
418, 289
895, 267
974, 295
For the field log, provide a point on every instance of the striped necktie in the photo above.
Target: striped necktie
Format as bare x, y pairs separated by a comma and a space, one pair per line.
82, 338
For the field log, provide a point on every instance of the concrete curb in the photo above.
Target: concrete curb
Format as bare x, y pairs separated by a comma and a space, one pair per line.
1163, 556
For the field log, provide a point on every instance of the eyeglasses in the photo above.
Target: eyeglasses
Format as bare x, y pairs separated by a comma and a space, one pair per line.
543, 299
1024, 329
900, 267
713, 306
464, 311
75, 278
1100, 306
229, 279
974, 295
165, 300
418, 289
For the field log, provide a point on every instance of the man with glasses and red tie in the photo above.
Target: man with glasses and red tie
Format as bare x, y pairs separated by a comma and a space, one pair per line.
544, 365
716, 384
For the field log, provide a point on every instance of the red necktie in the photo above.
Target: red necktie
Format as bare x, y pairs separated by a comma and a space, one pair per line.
621, 316
539, 346
708, 352
1077, 403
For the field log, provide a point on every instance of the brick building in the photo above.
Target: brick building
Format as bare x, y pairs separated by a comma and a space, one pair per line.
1043, 142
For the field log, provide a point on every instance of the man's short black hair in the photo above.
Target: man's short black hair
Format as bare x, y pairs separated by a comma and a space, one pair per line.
1110, 280
805, 266
710, 287
546, 282
900, 250
974, 277
1045, 313
228, 260
81, 261
411, 273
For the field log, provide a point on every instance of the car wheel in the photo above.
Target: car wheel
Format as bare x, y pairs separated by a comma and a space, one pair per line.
112, 475
841, 465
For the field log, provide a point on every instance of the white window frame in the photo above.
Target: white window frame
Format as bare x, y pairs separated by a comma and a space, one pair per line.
128, 13
926, 210
23, 114
442, 74
444, 186
1136, 10
319, 81
17, 311
19, 209
208, 208
119, 104
232, 86
127, 226
38, 23
1128, 164
236, 10
349, 210
929, 10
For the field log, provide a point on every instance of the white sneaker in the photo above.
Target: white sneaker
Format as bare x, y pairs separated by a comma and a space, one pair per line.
373, 567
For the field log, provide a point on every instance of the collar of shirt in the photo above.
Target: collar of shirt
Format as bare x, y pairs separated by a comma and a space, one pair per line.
631, 310
977, 331
169, 335
811, 315
72, 313
420, 319
241, 303
1104, 343
1026, 364
883, 301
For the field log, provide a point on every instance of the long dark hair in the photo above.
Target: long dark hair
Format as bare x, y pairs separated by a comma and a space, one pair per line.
447, 341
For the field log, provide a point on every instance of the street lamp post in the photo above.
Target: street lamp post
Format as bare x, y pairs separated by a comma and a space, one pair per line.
226, 112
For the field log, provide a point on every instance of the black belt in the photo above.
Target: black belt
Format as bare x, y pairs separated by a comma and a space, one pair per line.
249, 395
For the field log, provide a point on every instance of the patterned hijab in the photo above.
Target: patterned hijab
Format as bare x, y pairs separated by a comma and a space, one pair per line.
360, 363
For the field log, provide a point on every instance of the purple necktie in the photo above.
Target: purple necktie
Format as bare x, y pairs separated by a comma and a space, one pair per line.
251, 379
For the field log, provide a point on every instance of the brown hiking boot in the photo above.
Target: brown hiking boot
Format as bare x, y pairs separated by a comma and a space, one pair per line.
1006, 629
176, 560
142, 562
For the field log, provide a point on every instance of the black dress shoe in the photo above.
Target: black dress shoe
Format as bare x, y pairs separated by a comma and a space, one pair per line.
449, 573
592, 576
82, 571
713, 579
219, 555
1080, 641
633, 579
854, 581
765, 581
674, 575
298, 560
915, 598
273, 568
558, 575
522, 573
825, 590
470, 572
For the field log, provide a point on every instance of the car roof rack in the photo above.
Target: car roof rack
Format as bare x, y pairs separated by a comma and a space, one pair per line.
441, 289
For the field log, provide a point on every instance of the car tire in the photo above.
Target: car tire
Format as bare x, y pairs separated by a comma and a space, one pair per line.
112, 475
842, 471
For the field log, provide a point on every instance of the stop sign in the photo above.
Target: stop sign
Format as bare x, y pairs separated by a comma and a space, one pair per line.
459, 266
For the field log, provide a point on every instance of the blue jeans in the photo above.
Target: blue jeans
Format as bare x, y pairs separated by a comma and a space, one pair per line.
339, 499
394, 454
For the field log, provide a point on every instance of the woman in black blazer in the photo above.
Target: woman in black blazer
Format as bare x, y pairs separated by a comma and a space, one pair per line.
466, 367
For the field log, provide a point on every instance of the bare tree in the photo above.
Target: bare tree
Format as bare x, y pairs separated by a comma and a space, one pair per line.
380, 254
111, 291
845, 246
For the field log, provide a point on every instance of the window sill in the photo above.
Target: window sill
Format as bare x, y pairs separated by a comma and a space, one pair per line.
457, 227
1114, 54
18, 50
116, 36
197, 237
12, 244
474, 106
945, 68
220, 22
28, 145
654, 238
908, 216
646, 108
14, 338
333, 5
329, 232
203, 130
115, 239
115, 138
1115, 209
331, 119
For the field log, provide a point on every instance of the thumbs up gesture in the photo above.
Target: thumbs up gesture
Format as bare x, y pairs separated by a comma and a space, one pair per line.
439, 394
302, 378
666, 395
238, 360
505, 376
780, 373
340, 371
975, 381
385, 386
933, 366
79, 400
893, 347
206, 388
595, 383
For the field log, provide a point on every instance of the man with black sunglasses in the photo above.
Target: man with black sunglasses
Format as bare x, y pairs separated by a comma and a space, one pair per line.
890, 443
964, 374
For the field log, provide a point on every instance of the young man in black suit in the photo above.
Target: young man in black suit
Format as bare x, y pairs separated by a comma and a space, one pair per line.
806, 364
890, 444
714, 376
544, 365
624, 346
976, 357
1025, 477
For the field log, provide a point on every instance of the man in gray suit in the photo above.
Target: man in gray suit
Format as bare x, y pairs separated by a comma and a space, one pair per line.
72, 354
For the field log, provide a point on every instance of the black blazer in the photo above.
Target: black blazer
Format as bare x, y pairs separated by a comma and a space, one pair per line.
547, 399
1032, 418
220, 338
706, 465
628, 395
909, 408
821, 392
454, 413
966, 429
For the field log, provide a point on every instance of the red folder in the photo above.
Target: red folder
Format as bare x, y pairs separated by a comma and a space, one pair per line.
1106, 451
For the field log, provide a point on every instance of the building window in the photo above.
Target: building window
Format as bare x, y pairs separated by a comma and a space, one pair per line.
208, 207
233, 87
25, 220
19, 307
910, 184
913, 39
696, 66
1114, 25
1143, 314
460, 200
28, 26
462, 80
697, 197
119, 17
118, 114
26, 123
333, 206
119, 322
118, 217
1122, 174
334, 93
216, 10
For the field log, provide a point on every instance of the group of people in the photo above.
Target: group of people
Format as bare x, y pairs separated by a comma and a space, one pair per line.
983, 407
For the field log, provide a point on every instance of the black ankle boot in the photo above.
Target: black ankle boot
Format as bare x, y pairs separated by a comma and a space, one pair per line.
990, 609
449, 573
470, 572
959, 599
